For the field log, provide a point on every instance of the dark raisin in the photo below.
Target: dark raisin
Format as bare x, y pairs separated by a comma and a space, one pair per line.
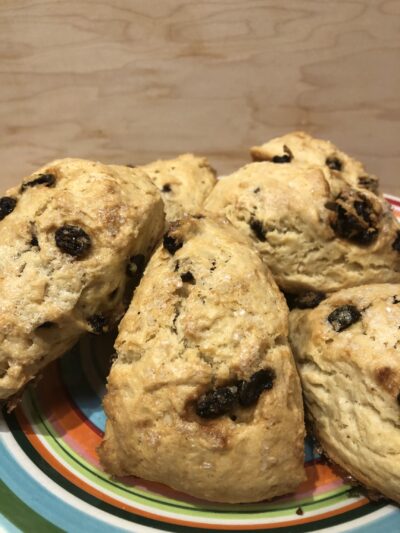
46, 325
396, 243
258, 229
72, 240
233, 418
355, 218
257, 190
334, 163
166, 188
305, 300
343, 317
398, 398
48, 180
171, 244
249, 391
130, 166
395, 300
136, 266
285, 158
216, 402
97, 323
34, 241
299, 511
213, 265
7, 206
187, 277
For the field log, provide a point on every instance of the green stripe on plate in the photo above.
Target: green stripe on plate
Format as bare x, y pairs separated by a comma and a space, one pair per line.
22, 516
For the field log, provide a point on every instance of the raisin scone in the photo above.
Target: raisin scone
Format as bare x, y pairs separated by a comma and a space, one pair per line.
312, 229
348, 354
184, 183
204, 394
70, 237
300, 147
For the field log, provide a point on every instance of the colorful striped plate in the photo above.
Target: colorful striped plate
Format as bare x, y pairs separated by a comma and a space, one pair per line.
51, 479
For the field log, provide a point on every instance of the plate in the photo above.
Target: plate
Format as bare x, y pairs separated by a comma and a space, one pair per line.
51, 479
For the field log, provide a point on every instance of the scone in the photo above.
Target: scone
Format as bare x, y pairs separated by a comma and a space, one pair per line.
348, 354
312, 229
300, 147
204, 394
70, 237
184, 183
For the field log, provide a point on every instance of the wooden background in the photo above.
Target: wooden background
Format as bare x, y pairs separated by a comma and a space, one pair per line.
132, 80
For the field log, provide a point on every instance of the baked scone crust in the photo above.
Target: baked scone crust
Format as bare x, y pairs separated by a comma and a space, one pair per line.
57, 282
300, 147
351, 382
205, 317
184, 183
298, 216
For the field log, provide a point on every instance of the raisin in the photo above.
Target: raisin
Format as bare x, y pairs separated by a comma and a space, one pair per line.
130, 166
258, 229
136, 266
395, 300
48, 180
299, 511
213, 265
187, 277
396, 243
398, 398
249, 391
34, 241
343, 317
355, 218
171, 244
72, 240
7, 206
216, 402
97, 323
166, 188
305, 300
285, 158
334, 163
257, 190
369, 183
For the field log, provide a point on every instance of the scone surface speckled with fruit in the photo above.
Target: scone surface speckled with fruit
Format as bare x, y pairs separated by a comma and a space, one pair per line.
312, 229
184, 183
348, 354
70, 236
300, 147
204, 394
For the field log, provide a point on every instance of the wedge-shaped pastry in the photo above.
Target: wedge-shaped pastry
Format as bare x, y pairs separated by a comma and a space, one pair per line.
184, 183
204, 394
310, 227
348, 354
300, 147
70, 237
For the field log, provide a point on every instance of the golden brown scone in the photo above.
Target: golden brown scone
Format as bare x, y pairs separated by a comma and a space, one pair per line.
67, 235
184, 183
311, 228
348, 354
300, 147
204, 394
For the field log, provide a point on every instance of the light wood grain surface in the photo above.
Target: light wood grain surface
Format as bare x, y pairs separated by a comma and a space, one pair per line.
130, 81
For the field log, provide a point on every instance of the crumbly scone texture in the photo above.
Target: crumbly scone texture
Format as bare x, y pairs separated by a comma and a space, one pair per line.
184, 183
312, 229
351, 381
186, 334
49, 297
300, 147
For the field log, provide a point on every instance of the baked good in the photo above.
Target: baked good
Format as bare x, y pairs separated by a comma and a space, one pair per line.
312, 229
348, 354
300, 147
184, 183
68, 236
204, 394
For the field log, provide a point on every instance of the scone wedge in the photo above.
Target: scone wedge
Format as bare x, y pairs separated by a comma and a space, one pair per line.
312, 229
71, 236
348, 354
204, 394
300, 147
184, 183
